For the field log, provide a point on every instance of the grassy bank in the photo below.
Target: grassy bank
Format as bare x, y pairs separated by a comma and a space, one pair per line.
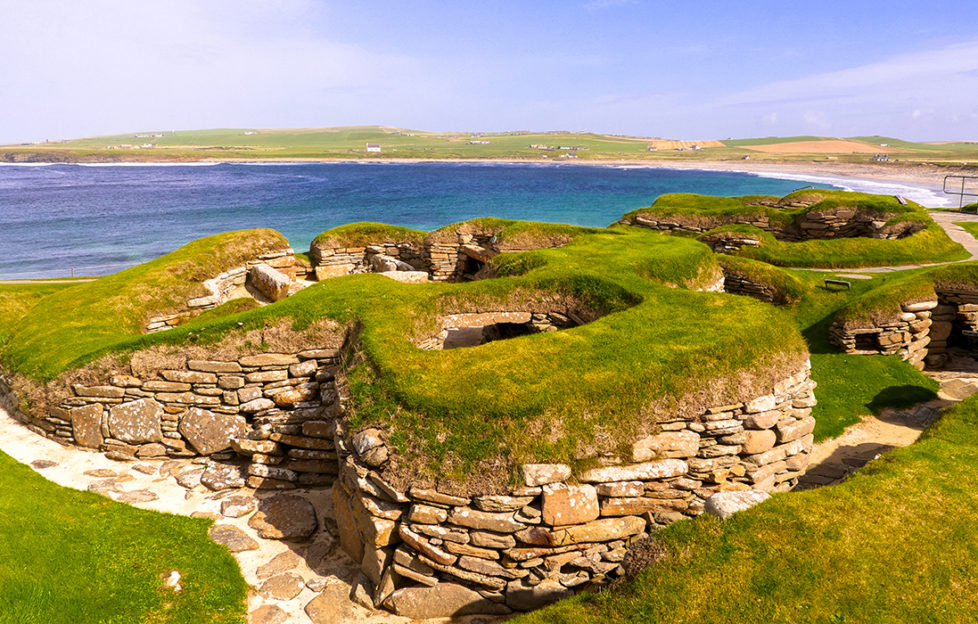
652, 345
71, 556
895, 543
78, 321
722, 217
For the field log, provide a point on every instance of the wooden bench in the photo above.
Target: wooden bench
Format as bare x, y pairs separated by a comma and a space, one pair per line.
835, 282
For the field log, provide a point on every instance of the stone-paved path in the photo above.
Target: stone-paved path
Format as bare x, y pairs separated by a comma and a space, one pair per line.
833, 460
291, 581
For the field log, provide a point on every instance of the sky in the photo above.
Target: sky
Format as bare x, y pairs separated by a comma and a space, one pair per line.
685, 70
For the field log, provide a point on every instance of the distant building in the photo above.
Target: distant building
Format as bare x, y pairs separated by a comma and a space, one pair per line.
250, 132
881, 158
541, 146
569, 155
745, 157
478, 142
653, 148
884, 144
570, 147
373, 147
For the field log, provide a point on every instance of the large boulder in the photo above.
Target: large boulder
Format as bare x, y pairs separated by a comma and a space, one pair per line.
86, 425
725, 504
442, 600
136, 422
208, 432
284, 516
270, 282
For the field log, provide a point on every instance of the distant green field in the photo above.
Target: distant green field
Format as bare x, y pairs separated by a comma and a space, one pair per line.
351, 143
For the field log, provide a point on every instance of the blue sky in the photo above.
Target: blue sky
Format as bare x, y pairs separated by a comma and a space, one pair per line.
693, 70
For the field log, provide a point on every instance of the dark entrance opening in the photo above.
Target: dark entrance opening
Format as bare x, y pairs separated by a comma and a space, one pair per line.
868, 342
475, 336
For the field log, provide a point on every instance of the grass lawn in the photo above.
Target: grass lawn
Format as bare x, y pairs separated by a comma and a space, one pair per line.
895, 543
117, 306
852, 386
971, 227
71, 557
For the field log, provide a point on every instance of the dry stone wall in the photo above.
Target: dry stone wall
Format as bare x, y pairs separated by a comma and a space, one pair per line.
920, 333
280, 405
444, 257
814, 225
337, 261
739, 283
561, 529
222, 286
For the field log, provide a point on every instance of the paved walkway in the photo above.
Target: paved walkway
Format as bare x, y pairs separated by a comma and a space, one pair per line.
834, 459
287, 578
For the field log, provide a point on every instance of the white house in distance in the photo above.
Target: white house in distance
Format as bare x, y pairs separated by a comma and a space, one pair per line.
373, 147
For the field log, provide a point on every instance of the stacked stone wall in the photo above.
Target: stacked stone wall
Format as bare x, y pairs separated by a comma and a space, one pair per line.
221, 287
741, 284
204, 407
561, 529
920, 333
814, 225
337, 261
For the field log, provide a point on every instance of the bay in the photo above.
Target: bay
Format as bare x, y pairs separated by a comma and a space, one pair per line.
99, 219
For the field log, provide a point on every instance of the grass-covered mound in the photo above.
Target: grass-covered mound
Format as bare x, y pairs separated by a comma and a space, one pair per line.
511, 235
882, 305
851, 386
930, 244
65, 328
655, 347
71, 556
707, 211
786, 287
897, 543
366, 233
722, 217
507, 234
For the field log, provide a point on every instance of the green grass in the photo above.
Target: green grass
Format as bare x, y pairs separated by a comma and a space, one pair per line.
929, 245
720, 215
852, 386
464, 412
883, 304
366, 233
16, 301
71, 556
895, 543
350, 143
87, 318
971, 227
722, 210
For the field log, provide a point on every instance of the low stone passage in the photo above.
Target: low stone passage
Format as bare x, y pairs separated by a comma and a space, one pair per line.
284, 542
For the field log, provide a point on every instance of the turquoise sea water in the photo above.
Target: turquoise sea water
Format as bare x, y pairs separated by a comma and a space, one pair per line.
100, 219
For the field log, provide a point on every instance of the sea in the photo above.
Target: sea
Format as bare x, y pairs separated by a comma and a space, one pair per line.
58, 220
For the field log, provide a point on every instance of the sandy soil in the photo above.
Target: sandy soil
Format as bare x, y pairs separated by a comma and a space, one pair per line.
820, 147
